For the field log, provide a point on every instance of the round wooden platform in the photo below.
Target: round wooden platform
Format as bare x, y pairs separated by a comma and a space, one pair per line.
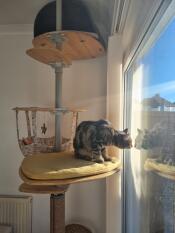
49, 56
43, 189
73, 45
41, 184
63, 166
160, 169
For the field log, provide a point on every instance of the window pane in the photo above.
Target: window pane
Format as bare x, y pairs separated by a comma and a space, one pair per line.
150, 115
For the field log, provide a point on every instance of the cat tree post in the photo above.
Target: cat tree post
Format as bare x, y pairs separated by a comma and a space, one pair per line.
58, 104
57, 201
57, 213
58, 78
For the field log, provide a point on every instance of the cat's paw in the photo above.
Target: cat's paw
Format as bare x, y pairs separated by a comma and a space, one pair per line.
99, 160
108, 159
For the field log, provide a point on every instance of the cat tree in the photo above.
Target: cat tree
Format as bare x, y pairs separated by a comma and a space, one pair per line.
58, 49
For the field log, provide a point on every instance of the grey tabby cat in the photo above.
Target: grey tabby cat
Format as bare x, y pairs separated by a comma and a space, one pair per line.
158, 141
92, 137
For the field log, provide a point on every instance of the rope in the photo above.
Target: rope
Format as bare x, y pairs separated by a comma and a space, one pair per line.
73, 129
34, 125
28, 124
17, 124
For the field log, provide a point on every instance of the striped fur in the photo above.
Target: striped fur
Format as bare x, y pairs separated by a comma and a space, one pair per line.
159, 141
92, 138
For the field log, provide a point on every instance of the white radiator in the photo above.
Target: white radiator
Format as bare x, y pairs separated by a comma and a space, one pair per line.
17, 212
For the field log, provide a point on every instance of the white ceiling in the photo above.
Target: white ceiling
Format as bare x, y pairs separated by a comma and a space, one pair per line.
25, 11
20, 11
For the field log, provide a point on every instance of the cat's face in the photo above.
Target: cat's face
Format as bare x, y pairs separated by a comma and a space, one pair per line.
143, 139
122, 139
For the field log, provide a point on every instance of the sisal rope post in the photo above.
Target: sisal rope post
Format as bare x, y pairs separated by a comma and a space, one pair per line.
57, 213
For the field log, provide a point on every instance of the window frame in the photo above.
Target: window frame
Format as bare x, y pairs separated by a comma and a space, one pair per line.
151, 32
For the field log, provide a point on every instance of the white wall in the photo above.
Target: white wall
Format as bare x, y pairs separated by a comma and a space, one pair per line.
25, 82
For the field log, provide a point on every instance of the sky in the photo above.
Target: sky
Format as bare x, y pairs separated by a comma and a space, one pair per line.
159, 66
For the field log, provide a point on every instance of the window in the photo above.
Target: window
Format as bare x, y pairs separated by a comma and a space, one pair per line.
149, 174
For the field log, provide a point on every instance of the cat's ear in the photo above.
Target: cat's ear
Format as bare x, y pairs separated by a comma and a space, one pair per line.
139, 130
125, 131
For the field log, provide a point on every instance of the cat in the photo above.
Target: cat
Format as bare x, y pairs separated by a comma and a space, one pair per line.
159, 141
148, 139
92, 138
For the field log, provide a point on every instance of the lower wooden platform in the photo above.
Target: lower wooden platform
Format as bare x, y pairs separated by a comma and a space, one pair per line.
43, 189
57, 183
57, 190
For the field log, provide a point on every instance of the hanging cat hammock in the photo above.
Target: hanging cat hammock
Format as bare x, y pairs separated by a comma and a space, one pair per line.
37, 140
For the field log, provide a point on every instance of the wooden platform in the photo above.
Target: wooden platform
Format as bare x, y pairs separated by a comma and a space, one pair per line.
49, 109
64, 182
73, 45
57, 190
43, 189
160, 169
49, 56
63, 165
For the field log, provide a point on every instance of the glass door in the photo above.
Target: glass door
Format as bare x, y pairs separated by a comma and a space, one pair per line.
149, 167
